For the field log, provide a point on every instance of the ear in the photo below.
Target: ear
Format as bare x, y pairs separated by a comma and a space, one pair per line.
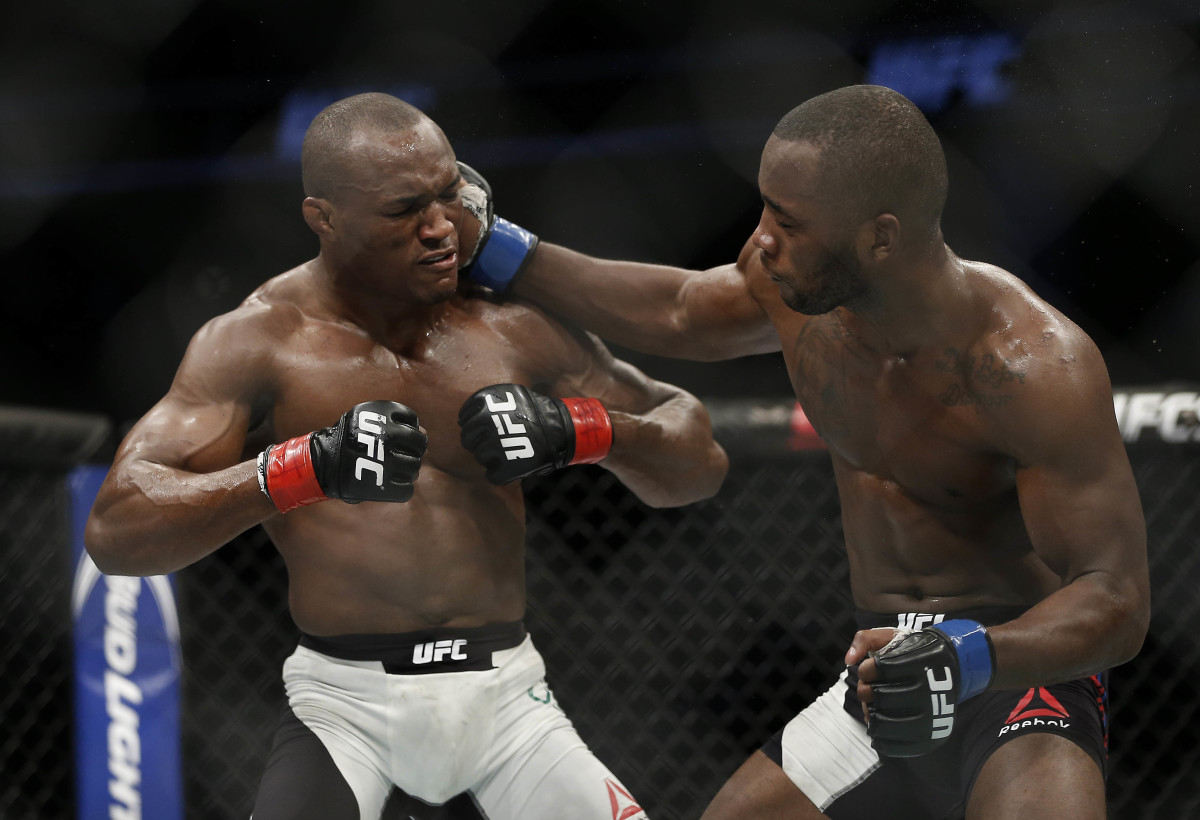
879, 238
318, 213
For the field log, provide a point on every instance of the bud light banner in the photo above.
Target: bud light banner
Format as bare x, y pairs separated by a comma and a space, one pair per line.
127, 667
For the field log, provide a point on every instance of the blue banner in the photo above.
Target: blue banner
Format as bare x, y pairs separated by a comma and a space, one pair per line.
127, 667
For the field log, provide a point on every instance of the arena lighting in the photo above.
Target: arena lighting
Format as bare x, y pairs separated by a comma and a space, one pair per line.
934, 72
299, 107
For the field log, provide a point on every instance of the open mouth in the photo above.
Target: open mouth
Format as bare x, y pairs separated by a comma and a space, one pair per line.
446, 260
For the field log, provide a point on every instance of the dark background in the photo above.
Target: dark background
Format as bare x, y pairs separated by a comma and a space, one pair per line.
149, 174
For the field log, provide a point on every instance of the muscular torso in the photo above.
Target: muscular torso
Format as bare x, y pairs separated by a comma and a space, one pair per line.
453, 555
929, 501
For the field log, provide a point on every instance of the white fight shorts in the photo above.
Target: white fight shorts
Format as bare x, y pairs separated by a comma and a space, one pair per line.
494, 732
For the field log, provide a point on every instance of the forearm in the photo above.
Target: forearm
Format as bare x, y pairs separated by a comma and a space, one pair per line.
667, 457
1094, 623
639, 306
150, 519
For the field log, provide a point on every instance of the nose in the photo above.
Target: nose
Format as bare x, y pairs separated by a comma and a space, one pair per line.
763, 240
436, 222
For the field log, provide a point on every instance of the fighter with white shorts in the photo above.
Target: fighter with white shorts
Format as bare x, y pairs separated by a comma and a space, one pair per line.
437, 713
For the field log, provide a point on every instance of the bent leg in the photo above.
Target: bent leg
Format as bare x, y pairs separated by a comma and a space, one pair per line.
303, 782
760, 790
822, 755
558, 771
1038, 776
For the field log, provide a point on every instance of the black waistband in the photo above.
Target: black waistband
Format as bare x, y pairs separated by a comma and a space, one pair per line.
988, 616
426, 651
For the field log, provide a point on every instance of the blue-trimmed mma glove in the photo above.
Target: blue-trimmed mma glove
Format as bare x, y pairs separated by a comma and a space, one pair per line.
921, 677
503, 248
516, 433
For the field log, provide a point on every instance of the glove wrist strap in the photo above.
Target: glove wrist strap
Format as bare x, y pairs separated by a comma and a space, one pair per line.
504, 254
287, 476
976, 656
593, 430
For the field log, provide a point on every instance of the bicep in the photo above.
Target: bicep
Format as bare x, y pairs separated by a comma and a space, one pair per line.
1077, 492
719, 307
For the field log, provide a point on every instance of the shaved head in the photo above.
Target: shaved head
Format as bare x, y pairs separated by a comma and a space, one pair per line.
878, 153
324, 156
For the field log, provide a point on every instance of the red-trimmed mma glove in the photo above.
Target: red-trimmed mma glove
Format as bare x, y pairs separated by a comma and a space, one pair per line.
921, 679
516, 433
372, 454
503, 248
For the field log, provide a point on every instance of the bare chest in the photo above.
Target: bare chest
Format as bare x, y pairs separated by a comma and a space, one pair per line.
920, 422
335, 369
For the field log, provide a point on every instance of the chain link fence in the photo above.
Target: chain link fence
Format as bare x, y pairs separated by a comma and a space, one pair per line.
678, 640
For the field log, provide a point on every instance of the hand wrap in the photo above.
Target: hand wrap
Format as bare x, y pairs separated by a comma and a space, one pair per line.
372, 454
503, 249
516, 433
921, 677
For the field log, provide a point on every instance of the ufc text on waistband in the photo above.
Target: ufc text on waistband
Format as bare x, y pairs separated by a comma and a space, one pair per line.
426, 652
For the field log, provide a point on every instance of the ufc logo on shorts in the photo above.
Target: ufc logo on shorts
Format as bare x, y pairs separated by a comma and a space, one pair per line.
368, 423
437, 651
943, 711
515, 445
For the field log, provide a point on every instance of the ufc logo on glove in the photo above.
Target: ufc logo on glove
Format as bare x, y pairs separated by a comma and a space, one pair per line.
515, 432
370, 427
515, 445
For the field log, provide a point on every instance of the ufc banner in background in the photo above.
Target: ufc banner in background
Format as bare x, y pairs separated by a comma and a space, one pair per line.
127, 670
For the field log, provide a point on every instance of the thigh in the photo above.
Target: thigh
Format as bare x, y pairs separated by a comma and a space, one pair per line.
1038, 776
759, 790
303, 782
553, 771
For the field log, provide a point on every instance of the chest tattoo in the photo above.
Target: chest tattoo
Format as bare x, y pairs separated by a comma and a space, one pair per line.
819, 372
979, 382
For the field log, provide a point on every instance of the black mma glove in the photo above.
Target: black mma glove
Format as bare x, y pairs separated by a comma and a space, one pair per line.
515, 433
921, 677
372, 454
503, 248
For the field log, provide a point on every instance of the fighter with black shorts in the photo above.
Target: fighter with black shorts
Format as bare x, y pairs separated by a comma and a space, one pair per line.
826, 749
978, 463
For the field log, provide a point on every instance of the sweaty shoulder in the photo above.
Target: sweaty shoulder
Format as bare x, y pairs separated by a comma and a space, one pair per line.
1030, 369
233, 352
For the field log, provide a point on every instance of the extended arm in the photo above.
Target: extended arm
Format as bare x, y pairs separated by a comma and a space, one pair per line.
667, 311
703, 315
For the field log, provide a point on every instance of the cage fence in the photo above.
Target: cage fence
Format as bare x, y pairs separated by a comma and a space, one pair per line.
678, 640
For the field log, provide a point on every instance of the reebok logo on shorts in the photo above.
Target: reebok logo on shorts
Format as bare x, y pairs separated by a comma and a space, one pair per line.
1037, 708
622, 802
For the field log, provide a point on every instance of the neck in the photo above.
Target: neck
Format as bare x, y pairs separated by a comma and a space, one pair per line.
395, 322
912, 304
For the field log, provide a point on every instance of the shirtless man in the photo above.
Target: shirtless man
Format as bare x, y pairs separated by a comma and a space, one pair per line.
414, 667
985, 491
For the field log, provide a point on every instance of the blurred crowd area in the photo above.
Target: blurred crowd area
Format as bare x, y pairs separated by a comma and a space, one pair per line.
149, 172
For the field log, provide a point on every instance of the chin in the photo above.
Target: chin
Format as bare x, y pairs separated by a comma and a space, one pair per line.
444, 294
809, 304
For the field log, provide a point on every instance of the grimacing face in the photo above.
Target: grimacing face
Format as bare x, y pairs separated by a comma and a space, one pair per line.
398, 213
804, 248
